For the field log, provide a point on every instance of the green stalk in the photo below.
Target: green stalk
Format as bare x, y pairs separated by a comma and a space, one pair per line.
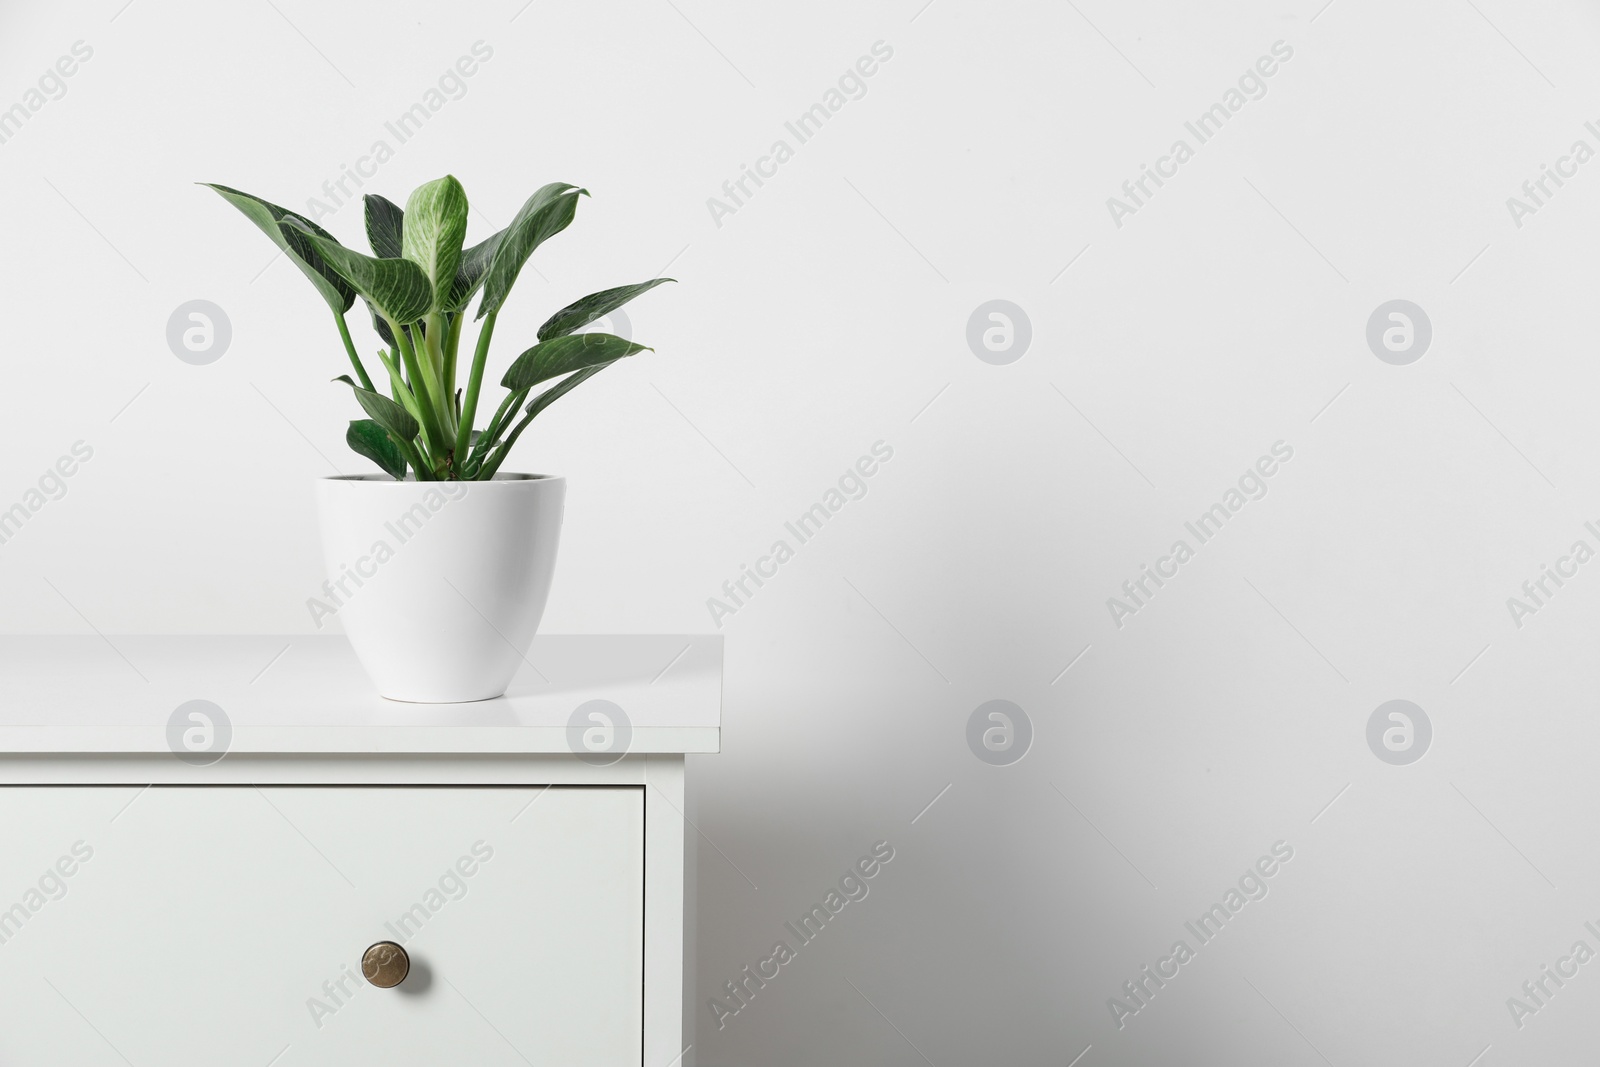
431, 333
439, 386
409, 451
490, 436
492, 465
397, 386
469, 410
350, 347
497, 423
452, 342
431, 435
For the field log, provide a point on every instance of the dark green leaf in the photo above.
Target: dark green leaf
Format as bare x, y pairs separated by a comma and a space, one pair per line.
269, 217
398, 287
367, 438
553, 358
470, 271
547, 213
580, 314
435, 228
391, 416
385, 224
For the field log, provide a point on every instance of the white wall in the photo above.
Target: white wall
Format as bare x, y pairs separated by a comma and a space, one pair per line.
820, 318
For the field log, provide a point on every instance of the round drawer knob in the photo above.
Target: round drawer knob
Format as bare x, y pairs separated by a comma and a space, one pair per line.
385, 965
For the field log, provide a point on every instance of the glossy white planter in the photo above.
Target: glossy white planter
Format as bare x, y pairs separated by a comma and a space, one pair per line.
439, 585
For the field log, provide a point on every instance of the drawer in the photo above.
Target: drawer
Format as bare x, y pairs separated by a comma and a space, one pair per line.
224, 924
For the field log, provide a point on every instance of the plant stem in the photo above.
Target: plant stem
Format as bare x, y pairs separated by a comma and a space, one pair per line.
442, 391
397, 386
491, 435
452, 342
431, 435
469, 410
409, 451
496, 424
492, 464
350, 347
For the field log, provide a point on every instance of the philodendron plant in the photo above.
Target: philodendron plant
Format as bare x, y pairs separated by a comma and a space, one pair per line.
417, 285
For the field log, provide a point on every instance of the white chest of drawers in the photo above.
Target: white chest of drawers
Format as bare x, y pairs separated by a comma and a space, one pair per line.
162, 906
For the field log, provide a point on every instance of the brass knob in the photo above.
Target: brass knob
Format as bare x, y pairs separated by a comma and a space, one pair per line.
385, 965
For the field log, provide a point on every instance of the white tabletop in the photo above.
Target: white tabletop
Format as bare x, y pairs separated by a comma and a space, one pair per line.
308, 695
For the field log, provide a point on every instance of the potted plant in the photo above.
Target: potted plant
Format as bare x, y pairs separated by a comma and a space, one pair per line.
440, 566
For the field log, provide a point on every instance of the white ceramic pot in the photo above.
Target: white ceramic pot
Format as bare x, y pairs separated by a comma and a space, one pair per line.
439, 585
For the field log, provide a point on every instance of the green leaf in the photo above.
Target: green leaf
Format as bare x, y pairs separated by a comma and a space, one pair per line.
577, 315
385, 224
553, 358
391, 416
547, 213
367, 438
398, 287
268, 217
471, 270
434, 228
